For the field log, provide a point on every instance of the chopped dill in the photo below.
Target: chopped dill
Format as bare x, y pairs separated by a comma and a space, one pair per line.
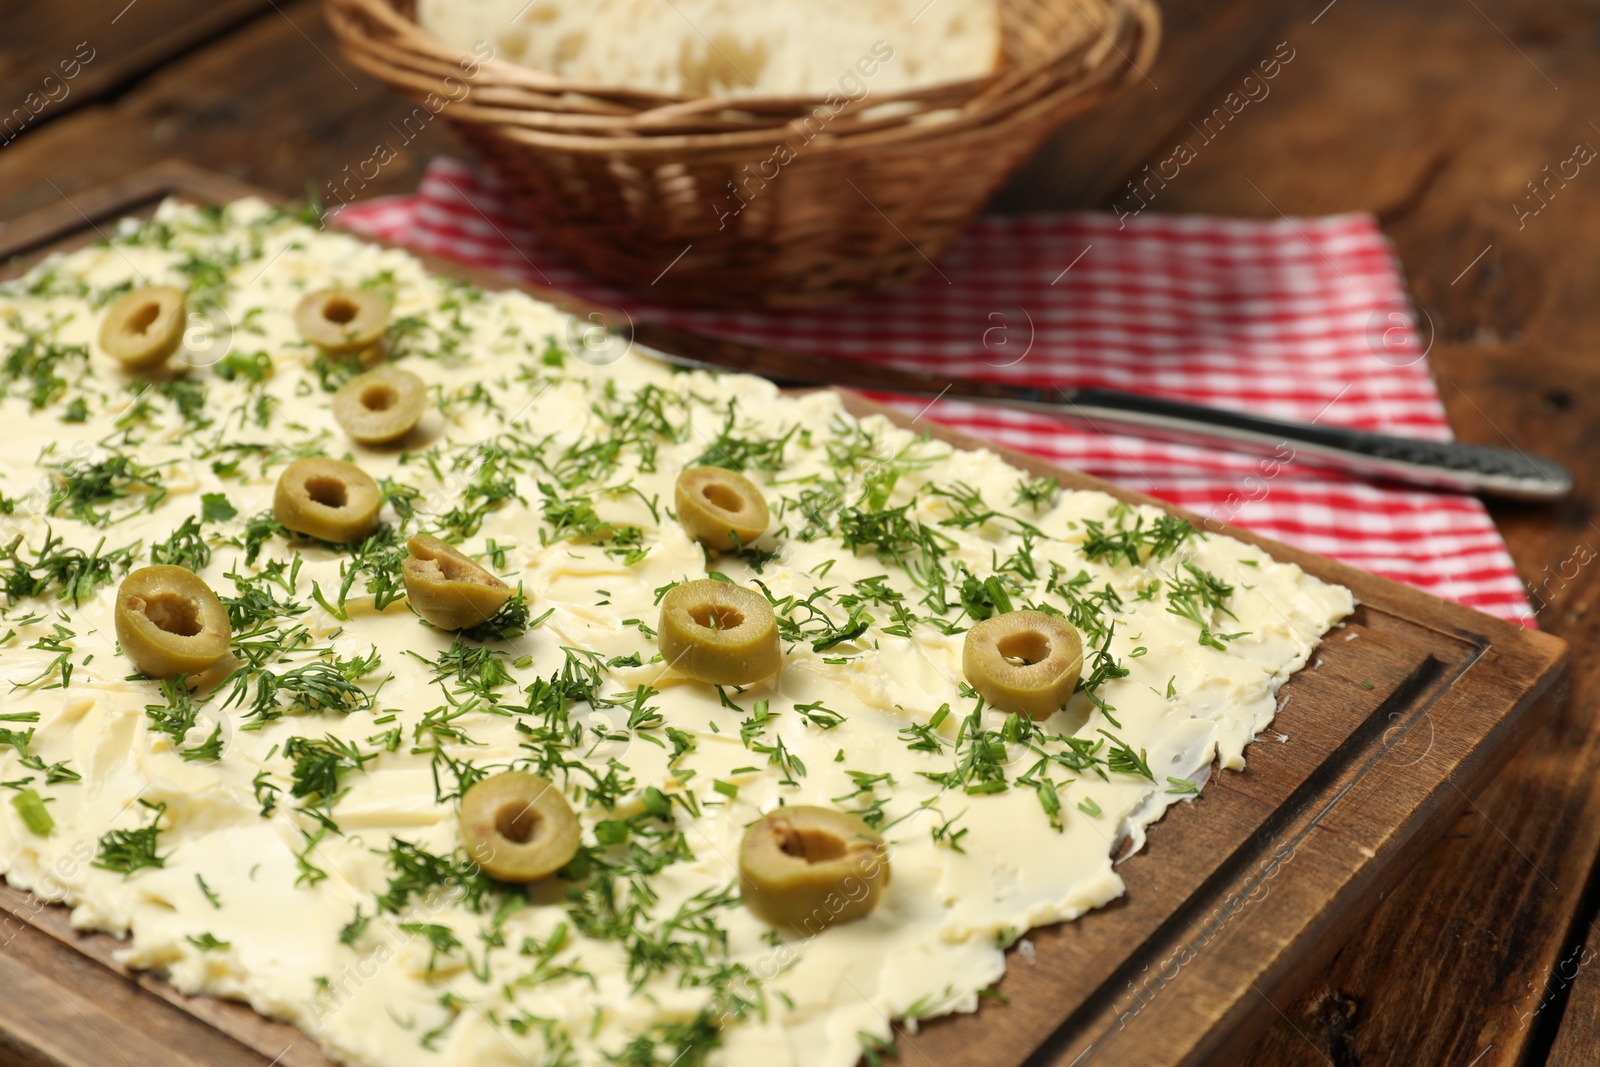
68, 573
186, 547
1138, 543
82, 489
126, 851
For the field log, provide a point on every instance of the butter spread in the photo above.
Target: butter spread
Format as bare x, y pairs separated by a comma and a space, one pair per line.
285, 834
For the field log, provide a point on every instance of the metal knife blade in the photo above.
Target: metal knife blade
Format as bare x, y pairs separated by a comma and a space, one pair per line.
1501, 472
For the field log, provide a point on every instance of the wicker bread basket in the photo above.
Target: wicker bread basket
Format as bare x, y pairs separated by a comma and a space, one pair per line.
759, 201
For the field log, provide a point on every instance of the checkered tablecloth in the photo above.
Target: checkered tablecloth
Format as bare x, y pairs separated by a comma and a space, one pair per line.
1294, 318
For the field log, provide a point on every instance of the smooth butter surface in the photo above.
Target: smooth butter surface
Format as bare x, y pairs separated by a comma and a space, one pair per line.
394, 955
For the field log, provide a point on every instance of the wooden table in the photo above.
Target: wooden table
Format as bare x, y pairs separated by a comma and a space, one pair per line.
1433, 114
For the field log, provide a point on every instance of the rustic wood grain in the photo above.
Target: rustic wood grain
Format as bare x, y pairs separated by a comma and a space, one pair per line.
56, 57
1472, 955
67, 1008
1087, 161
1435, 115
1421, 112
273, 102
1240, 895
67, 224
1573, 999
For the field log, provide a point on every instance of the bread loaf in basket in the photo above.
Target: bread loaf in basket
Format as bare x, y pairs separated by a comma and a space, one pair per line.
758, 200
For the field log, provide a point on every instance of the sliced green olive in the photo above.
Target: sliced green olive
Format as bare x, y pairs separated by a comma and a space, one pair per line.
143, 327
381, 405
721, 509
327, 499
170, 622
518, 827
719, 633
1026, 662
805, 868
447, 588
342, 320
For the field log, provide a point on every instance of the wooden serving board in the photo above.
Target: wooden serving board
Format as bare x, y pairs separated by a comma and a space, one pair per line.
1239, 897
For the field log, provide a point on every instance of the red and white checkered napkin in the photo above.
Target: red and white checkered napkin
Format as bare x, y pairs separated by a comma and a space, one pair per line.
1295, 318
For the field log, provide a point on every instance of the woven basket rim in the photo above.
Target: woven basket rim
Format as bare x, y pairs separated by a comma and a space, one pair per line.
410, 29
625, 182
739, 144
579, 116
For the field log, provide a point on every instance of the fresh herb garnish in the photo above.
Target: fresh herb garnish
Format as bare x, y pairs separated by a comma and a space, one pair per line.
186, 547
82, 490
126, 851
